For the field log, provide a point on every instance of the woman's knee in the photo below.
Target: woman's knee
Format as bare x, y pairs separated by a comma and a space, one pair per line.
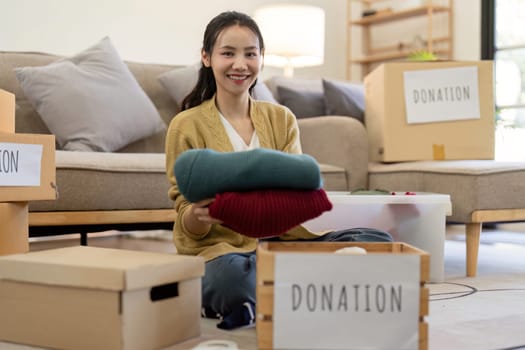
229, 281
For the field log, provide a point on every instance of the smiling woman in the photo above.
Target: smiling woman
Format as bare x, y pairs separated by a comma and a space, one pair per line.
220, 114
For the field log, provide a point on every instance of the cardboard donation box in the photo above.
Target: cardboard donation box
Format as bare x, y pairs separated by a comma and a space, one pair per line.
27, 172
440, 110
27, 167
99, 298
310, 297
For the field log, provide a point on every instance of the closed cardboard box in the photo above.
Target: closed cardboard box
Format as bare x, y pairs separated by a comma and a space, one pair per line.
99, 298
7, 111
430, 111
27, 167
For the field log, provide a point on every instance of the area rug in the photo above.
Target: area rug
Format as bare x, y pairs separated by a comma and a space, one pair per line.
482, 312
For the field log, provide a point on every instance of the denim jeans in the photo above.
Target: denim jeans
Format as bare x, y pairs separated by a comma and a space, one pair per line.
229, 281
356, 235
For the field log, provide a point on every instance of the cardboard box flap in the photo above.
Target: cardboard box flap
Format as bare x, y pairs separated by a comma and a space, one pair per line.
100, 268
7, 111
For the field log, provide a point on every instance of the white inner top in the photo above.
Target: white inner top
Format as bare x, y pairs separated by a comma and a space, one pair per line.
236, 139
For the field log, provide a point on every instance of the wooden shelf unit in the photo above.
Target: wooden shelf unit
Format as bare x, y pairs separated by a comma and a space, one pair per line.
442, 46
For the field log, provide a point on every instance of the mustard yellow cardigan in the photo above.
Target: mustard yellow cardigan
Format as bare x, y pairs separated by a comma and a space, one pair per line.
201, 127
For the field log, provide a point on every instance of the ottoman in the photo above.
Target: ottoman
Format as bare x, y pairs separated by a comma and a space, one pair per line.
480, 191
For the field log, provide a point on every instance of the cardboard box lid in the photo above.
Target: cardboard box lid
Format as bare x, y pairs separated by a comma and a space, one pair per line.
100, 268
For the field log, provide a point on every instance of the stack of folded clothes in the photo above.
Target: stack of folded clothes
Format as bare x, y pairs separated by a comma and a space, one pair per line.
259, 193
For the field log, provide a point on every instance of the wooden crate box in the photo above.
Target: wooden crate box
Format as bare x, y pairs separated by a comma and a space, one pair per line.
310, 252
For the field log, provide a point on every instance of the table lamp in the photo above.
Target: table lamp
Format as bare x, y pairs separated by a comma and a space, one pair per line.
293, 35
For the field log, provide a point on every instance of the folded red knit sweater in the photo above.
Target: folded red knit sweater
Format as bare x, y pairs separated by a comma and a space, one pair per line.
268, 213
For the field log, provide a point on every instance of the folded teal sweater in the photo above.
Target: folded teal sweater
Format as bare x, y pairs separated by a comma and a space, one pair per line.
202, 173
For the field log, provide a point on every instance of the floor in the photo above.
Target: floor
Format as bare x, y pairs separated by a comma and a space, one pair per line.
497, 245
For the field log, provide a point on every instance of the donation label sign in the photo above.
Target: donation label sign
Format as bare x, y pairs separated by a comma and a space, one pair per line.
439, 95
337, 301
20, 164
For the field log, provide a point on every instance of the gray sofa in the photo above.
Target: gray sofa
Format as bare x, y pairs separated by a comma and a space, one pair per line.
127, 188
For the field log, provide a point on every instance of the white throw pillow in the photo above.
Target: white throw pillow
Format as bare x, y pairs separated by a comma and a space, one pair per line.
180, 81
91, 101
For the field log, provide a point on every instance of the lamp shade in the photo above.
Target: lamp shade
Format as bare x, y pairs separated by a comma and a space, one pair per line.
293, 35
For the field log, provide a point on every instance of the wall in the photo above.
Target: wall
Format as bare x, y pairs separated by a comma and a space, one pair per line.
170, 31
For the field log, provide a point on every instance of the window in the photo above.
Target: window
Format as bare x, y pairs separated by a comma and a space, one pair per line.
503, 40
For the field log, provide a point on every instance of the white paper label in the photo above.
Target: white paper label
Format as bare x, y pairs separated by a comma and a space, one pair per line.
331, 301
20, 164
439, 95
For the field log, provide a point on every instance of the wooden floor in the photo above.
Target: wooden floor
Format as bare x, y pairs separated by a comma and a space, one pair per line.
155, 241
160, 240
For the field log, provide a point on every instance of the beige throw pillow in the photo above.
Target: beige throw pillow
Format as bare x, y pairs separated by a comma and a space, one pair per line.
91, 101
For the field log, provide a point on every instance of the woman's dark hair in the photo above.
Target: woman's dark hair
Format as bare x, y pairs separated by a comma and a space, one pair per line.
206, 86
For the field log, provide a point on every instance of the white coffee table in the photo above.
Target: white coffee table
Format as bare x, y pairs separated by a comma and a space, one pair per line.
418, 219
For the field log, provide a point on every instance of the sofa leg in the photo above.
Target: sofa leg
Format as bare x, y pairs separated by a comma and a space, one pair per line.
473, 231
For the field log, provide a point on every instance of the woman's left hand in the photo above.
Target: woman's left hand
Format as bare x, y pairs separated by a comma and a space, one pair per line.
201, 212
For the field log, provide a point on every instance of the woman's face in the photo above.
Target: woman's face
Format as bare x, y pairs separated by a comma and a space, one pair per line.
235, 60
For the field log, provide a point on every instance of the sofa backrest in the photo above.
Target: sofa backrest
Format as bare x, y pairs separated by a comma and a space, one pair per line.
27, 120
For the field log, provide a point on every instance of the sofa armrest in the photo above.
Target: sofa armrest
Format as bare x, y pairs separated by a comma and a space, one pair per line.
340, 141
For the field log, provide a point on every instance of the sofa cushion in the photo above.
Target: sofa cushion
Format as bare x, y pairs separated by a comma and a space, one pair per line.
108, 181
319, 97
303, 103
179, 83
91, 101
304, 97
344, 98
262, 93
123, 181
334, 178
312, 85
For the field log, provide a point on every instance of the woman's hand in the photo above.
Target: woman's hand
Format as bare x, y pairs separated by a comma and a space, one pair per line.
201, 213
197, 219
